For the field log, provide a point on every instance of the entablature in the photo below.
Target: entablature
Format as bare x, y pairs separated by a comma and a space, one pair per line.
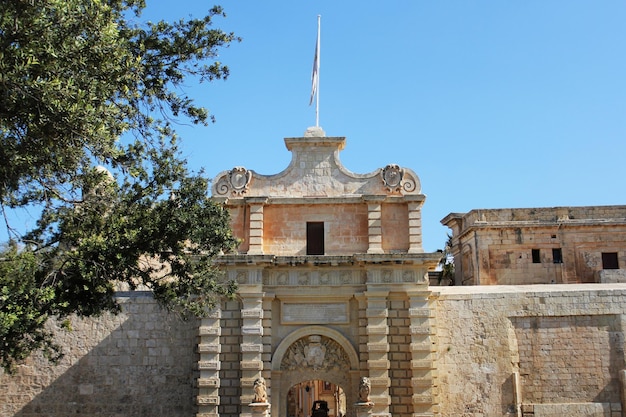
429, 259
348, 199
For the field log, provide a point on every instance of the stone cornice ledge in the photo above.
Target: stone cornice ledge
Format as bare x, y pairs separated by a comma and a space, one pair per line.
348, 199
331, 260
338, 142
398, 258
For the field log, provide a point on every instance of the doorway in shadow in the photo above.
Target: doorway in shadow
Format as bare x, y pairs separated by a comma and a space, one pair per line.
316, 398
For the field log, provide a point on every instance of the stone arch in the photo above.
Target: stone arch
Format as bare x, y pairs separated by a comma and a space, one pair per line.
309, 353
292, 337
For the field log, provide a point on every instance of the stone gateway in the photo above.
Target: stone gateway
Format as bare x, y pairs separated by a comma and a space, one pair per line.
335, 317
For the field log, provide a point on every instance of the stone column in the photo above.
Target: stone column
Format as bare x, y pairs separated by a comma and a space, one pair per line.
209, 348
374, 222
378, 351
251, 342
256, 225
423, 353
415, 223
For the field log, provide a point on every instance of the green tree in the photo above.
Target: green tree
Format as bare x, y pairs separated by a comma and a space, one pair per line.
446, 263
88, 100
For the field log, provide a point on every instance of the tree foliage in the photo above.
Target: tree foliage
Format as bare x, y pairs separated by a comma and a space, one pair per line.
446, 263
88, 99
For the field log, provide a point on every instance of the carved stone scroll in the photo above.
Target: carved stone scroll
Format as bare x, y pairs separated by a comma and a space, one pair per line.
234, 182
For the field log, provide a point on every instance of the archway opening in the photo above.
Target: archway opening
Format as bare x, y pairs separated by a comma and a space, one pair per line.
316, 398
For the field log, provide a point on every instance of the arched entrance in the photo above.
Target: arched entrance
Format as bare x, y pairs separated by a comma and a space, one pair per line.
315, 398
318, 356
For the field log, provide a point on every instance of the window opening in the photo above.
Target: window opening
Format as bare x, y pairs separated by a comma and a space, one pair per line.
609, 260
557, 256
536, 256
315, 238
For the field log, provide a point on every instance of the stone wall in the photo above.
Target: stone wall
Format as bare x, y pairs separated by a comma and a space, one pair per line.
230, 365
141, 362
531, 351
395, 227
547, 350
345, 228
400, 358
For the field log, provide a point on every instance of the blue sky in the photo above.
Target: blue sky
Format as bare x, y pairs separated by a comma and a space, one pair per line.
492, 103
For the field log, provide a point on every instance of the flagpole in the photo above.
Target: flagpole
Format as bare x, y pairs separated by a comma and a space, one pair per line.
317, 102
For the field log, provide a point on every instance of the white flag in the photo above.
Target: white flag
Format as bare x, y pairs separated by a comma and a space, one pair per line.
316, 68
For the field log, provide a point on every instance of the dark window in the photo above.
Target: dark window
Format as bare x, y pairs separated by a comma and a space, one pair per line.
315, 238
557, 256
609, 260
536, 256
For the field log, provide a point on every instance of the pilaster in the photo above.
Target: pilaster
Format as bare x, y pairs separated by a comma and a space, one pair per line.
423, 354
209, 348
378, 351
374, 222
415, 226
256, 225
251, 342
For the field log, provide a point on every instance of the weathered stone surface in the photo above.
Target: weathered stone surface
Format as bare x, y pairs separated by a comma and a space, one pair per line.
566, 341
138, 363
557, 245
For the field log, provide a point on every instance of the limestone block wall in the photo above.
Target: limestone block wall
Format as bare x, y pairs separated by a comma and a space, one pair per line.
141, 362
524, 351
395, 227
345, 228
239, 219
543, 350
230, 360
282, 228
400, 358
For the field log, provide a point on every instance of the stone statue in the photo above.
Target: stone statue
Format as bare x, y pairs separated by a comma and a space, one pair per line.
365, 387
260, 391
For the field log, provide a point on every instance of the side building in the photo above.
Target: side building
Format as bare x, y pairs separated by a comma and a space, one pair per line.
561, 245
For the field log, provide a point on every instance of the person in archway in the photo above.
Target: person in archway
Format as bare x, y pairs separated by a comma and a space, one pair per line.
320, 409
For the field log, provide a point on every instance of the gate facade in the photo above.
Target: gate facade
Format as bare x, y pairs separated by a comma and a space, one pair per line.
360, 308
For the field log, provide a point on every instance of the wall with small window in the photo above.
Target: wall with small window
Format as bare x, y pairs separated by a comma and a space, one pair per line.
610, 260
340, 229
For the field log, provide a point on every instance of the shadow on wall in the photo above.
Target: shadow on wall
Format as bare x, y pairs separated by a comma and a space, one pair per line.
570, 359
141, 362
611, 393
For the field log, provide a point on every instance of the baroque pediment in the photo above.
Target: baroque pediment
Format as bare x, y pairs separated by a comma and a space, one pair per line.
316, 171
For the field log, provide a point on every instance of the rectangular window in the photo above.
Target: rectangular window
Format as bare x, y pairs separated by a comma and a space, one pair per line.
557, 256
536, 256
609, 260
315, 238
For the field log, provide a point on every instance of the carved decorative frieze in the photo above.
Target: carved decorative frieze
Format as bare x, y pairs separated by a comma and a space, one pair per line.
315, 277
242, 277
234, 182
395, 276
